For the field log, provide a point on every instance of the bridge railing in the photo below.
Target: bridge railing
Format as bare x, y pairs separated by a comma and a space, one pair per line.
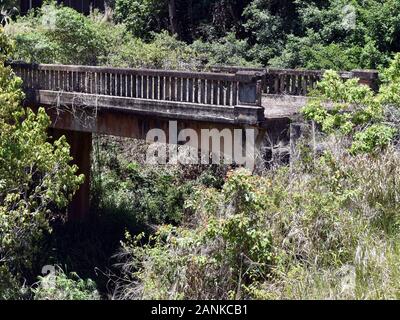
297, 82
220, 89
291, 82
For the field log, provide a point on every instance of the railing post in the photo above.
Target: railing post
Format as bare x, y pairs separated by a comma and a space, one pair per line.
249, 104
367, 77
250, 87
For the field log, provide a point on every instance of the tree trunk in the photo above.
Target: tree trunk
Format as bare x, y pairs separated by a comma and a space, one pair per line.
190, 12
172, 16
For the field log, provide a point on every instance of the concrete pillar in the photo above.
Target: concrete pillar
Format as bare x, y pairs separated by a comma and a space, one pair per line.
250, 87
81, 146
367, 77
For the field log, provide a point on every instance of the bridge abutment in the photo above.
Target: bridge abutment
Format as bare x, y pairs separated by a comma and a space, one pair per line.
80, 149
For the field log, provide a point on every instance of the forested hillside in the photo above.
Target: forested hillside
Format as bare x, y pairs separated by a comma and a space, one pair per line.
334, 34
325, 225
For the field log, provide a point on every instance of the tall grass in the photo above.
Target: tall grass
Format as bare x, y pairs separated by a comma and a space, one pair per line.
329, 231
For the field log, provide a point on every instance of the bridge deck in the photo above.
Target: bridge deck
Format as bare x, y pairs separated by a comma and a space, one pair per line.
282, 106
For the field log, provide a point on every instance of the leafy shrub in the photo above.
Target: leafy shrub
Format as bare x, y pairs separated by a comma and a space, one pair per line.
163, 52
348, 108
211, 260
149, 195
389, 91
35, 47
37, 181
10, 287
77, 38
122, 183
56, 34
228, 50
139, 16
376, 136
60, 286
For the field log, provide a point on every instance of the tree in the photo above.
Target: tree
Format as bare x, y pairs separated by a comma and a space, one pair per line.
140, 16
36, 179
268, 22
172, 16
58, 34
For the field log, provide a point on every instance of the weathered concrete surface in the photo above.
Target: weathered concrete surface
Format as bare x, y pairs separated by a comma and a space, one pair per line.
124, 123
198, 96
239, 114
283, 106
273, 107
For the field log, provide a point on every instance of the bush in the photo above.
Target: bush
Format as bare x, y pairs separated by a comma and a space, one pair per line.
139, 16
149, 194
37, 181
56, 34
211, 261
373, 138
389, 91
35, 47
60, 286
10, 287
163, 52
354, 110
227, 51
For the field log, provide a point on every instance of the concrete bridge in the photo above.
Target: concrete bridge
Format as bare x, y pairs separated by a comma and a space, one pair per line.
82, 100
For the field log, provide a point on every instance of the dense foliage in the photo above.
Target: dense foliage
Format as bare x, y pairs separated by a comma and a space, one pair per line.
36, 181
332, 235
60, 286
334, 34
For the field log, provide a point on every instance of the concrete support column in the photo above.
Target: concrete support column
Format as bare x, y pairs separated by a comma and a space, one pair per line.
81, 146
